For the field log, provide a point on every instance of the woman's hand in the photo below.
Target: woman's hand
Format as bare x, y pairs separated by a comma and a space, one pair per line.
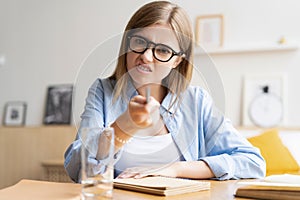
139, 115
168, 170
182, 169
140, 112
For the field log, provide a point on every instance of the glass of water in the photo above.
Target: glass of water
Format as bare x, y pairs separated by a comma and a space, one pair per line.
97, 154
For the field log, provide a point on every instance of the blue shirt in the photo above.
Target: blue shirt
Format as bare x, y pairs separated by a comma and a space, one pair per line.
200, 131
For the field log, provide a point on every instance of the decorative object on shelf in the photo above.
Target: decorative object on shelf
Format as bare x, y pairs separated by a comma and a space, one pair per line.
263, 101
59, 104
253, 48
15, 113
209, 31
282, 40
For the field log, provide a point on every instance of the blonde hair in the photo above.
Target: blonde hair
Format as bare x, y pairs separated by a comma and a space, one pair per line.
159, 12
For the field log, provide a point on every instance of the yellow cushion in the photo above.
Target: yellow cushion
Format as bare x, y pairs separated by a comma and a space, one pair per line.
278, 158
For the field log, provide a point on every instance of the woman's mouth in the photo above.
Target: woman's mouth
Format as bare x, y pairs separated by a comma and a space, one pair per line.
143, 69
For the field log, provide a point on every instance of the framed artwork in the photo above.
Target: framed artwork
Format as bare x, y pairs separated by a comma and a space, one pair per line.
15, 113
264, 101
209, 31
59, 104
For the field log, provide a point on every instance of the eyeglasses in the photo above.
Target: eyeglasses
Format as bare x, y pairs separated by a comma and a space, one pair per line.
161, 52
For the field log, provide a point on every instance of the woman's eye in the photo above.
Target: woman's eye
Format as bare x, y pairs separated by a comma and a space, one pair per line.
140, 41
163, 50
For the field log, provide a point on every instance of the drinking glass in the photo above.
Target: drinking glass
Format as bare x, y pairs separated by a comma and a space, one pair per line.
97, 153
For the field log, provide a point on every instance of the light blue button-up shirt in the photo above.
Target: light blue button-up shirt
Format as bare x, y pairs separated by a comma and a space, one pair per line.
198, 129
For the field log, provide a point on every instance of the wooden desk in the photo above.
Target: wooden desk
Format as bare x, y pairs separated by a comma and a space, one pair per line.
36, 190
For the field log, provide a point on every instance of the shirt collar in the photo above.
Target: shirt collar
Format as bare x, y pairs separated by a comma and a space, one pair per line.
167, 101
131, 91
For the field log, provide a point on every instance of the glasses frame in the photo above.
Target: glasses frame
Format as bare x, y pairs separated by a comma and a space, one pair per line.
174, 53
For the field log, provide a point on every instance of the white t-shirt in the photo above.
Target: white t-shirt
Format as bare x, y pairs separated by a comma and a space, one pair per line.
148, 151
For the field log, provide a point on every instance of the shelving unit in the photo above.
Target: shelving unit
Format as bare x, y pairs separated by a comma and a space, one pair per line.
31, 152
246, 49
55, 171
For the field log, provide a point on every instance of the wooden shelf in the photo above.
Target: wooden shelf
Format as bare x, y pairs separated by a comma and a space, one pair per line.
246, 49
52, 126
24, 148
282, 128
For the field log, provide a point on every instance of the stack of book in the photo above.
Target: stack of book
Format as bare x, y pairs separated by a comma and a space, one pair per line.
272, 187
161, 185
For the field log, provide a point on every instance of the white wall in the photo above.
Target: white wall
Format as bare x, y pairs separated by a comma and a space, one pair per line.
45, 42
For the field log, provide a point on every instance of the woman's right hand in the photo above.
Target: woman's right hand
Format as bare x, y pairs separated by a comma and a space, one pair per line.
138, 116
141, 112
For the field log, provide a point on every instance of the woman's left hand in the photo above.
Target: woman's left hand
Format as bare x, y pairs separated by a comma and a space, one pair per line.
168, 170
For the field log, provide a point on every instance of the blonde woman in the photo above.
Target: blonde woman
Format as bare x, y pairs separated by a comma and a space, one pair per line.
149, 94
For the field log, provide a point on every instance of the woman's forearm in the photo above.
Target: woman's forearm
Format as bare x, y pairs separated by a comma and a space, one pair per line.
193, 170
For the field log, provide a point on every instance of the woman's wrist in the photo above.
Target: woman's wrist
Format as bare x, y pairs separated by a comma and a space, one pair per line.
121, 140
120, 136
178, 168
126, 125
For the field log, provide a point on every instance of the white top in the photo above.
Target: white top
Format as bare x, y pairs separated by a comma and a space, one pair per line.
148, 151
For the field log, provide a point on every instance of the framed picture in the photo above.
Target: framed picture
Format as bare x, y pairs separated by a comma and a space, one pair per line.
209, 31
59, 104
15, 113
264, 100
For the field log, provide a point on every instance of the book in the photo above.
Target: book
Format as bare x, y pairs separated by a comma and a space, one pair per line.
272, 187
163, 186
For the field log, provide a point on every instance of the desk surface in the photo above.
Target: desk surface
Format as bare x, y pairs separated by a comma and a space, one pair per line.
29, 189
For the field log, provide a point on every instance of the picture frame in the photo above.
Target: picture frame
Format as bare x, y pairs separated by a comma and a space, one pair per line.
252, 88
59, 104
15, 113
210, 31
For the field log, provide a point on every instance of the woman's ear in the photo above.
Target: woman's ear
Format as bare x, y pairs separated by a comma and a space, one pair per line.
177, 62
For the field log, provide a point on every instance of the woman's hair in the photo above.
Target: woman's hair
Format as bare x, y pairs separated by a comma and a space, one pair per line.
159, 12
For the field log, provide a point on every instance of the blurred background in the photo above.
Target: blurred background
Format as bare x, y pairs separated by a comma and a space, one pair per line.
46, 43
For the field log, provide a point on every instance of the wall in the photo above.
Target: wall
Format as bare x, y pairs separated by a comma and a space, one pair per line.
46, 42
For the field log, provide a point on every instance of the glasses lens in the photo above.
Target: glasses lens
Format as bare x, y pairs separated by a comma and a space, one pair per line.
162, 52
137, 44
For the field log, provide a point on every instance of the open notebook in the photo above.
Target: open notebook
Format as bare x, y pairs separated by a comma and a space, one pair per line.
161, 185
272, 187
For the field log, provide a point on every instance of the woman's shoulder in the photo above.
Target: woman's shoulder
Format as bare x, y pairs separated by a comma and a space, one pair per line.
197, 92
104, 83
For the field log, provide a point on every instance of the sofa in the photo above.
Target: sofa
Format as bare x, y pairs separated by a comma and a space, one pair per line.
279, 146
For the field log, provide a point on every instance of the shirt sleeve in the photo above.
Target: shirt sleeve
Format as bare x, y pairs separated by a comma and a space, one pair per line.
228, 154
93, 116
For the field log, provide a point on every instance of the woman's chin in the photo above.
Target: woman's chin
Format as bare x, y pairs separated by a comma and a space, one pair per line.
141, 79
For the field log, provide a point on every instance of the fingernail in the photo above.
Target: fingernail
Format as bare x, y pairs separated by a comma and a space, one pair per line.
137, 176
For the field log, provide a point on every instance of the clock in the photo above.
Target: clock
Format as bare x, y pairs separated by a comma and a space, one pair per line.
266, 109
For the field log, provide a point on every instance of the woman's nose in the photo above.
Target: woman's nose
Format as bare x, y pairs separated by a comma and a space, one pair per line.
147, 56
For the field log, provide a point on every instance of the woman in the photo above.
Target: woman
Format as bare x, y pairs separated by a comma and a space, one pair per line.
185, 135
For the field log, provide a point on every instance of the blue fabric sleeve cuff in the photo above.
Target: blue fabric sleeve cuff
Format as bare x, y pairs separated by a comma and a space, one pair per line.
221, 165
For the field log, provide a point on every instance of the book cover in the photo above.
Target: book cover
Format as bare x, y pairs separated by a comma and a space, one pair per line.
272, 187
161, 185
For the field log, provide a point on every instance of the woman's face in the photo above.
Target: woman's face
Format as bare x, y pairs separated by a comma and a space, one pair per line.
144, 68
